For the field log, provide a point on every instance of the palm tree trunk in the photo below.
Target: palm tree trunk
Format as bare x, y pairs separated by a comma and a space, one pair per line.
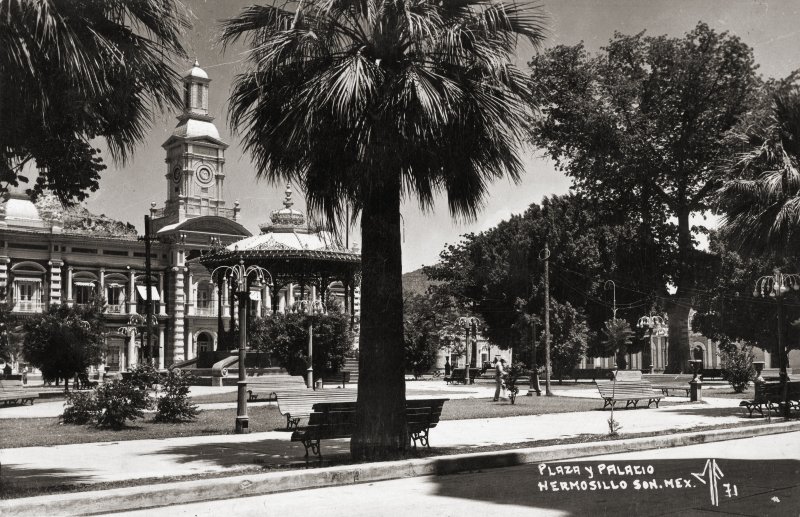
381, 431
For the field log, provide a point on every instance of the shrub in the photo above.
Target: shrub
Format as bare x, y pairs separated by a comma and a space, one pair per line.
174, 405
737, 366
118, 402
81, 407
143, 377
516, 371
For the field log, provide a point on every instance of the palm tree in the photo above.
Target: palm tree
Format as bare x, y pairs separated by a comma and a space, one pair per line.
762, 203
74, 70
366, 102
617, 338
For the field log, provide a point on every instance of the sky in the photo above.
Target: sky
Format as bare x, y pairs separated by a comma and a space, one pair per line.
770, 27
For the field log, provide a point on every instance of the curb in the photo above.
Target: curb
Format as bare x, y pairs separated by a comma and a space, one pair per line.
182, 492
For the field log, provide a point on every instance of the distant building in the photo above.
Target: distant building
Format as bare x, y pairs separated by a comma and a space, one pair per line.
51, 255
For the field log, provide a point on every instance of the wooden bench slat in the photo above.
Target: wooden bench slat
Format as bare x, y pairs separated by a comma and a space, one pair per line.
330, 420
629, 391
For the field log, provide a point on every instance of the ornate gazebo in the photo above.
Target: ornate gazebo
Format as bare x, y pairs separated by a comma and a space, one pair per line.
304, 262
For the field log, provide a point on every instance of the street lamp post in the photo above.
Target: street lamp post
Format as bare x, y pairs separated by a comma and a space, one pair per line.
468, 323
240, 275
775, 286
310, 308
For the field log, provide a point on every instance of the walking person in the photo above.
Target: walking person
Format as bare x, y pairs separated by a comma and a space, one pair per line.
499, 372
447, 367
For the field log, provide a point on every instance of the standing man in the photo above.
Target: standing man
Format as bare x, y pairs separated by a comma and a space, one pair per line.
499, 371
447, 367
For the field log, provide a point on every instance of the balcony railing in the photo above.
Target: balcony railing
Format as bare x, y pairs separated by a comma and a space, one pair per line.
28, 306
116, 309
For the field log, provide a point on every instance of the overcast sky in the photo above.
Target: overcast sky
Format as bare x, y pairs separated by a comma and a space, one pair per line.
771, 27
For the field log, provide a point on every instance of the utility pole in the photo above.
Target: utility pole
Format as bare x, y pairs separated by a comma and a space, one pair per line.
546, 258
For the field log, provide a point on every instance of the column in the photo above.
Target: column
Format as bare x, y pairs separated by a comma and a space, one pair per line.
162, 304
190, 352
160, 347
290, 296
767, 359
130, 359
190, 296
178, 327
225, 296
102, 282
214, 343
313, 294
4, 274
266, 301
132, 293
55, 281
282, 303
69, 285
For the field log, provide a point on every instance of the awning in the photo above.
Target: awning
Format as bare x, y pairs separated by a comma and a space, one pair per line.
28, 280
142, 290
85, 284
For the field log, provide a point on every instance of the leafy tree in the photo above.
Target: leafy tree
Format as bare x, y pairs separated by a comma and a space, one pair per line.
640, 127
65, 341
568, 337
364, 103
617, 339
10, 342
428, 326
499, 273
285, 337
75, 70
729, 313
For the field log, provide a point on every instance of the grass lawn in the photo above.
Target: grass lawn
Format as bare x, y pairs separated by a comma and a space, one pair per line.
32, 432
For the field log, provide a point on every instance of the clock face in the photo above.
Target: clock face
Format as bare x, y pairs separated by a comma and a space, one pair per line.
176, 174
204, 175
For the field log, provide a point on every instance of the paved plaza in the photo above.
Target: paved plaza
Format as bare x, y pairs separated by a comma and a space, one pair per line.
142, 459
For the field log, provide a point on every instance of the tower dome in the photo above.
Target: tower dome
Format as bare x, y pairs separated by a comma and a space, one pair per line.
196, 72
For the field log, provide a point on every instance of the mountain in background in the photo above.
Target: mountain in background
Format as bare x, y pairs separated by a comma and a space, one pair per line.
415, 282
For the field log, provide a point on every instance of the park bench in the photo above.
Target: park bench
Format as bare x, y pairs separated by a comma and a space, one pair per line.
629, 391
331, 420
13, 392
769, 396
299, 404
340, 378
665, 389
265, 387
457, 376
711, 373
591, 374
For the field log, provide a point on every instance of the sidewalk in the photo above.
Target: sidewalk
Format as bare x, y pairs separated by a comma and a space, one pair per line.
141, 459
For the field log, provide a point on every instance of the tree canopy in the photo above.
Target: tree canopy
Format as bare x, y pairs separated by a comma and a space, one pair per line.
75, 70
65, 341
640, 127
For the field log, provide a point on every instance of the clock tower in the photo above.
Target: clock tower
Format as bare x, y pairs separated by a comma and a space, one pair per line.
195, 158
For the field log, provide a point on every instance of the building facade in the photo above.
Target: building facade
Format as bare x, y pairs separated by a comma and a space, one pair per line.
51, 255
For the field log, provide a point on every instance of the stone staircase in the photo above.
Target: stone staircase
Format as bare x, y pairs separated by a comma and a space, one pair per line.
351, 365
